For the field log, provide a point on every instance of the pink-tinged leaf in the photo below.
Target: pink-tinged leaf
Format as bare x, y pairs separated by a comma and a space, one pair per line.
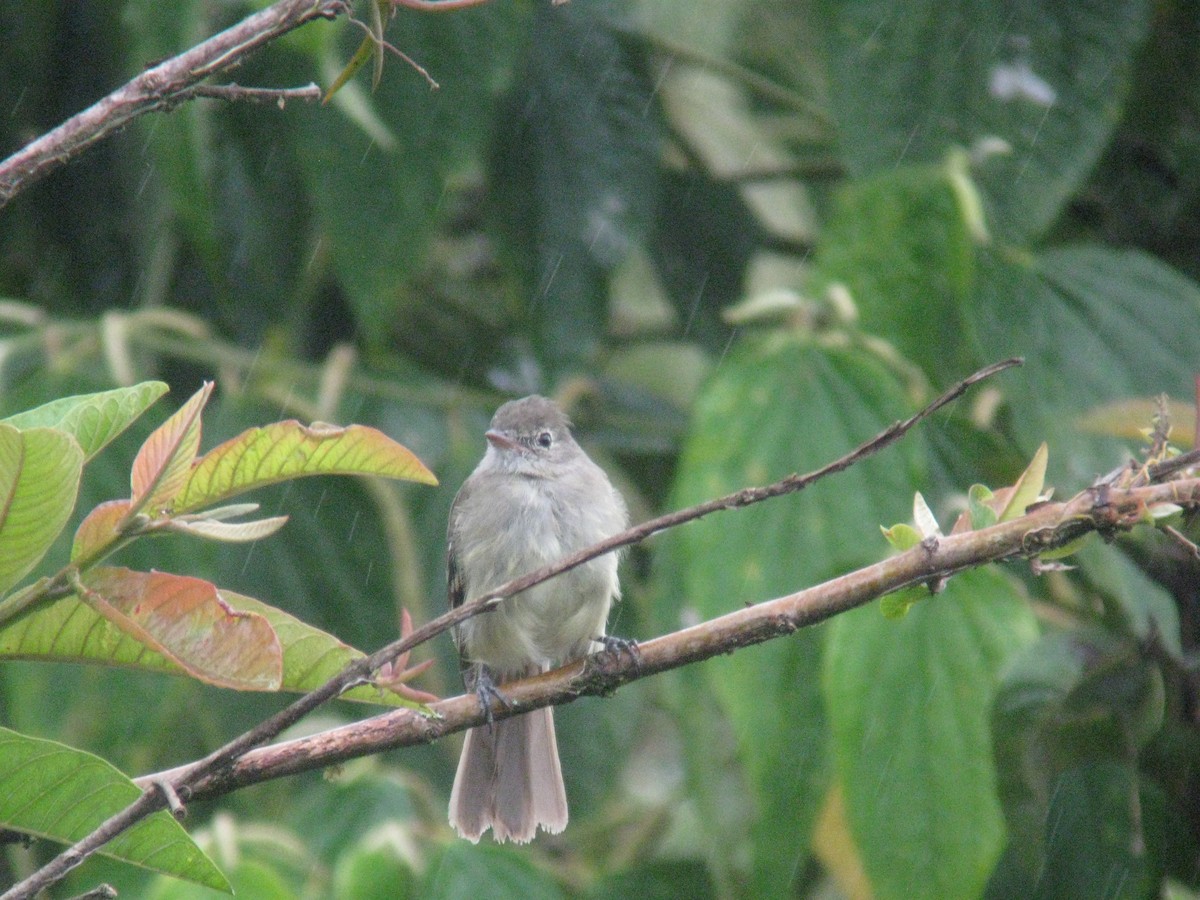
69, 630
189, 622
164, 462
39, 480
286, 450
100, 529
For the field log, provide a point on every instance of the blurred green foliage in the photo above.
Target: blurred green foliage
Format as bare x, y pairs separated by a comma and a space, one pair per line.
734, 238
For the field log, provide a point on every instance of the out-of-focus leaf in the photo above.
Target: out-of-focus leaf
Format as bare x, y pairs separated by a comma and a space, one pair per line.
53, 791
657, 880
375, 869
901, 243
1129, 419
161, 467
483, 870
1095, 326
188, 621
777, 405
908, 702
39, 480
1071, 700
577, 172
1044, 80
92, 419
285, 450
377, 193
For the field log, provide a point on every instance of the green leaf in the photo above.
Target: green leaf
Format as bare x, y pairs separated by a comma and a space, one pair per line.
1047, 79
53, 791
578, 178
188, 621
982, 514
902, 536
900, 243
286, 450
1095, 326
657, 880
1068, 703
375, 168
39, 480
163, 462
68, 630
908, 702
897, 604
93, 419
469, 870
780, 404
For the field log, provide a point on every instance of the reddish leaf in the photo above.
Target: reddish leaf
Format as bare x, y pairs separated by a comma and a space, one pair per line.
100, 529
186, 620
285, 450
164, 462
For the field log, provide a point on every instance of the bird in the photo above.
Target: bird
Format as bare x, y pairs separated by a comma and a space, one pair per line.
534, 498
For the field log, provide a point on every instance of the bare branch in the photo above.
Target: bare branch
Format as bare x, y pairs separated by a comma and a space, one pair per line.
237, 93
160, 87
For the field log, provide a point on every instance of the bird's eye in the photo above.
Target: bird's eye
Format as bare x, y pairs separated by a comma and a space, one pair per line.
545, 439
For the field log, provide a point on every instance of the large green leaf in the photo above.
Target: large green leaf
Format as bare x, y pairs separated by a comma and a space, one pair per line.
39, 480
56, 792
909, 703
286, 450
901, 241
576, 172
1095, 326
777, 405
376, 166
1072, 703
92, 419
1044, 77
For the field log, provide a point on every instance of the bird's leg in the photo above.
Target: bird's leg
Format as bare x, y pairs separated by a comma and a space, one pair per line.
615, 646
482, 682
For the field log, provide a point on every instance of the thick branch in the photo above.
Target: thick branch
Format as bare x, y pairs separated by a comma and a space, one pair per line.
1050, 526
158, 88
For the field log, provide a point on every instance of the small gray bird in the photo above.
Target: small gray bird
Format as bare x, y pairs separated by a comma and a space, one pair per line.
533, 499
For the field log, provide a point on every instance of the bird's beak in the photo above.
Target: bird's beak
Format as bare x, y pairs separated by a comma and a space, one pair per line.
501, 441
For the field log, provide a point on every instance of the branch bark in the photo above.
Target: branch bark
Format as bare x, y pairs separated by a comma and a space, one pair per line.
159, 88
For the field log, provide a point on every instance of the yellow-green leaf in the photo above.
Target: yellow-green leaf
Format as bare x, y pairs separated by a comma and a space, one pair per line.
1028, 488
92, 419
285, 450
39, 480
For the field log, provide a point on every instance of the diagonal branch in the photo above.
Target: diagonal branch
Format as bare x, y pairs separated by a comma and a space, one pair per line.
160, 87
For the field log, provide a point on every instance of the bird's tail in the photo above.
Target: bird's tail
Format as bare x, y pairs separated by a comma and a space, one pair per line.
509, 779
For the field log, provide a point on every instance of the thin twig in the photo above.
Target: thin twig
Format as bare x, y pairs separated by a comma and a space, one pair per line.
186, 778
237, 93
